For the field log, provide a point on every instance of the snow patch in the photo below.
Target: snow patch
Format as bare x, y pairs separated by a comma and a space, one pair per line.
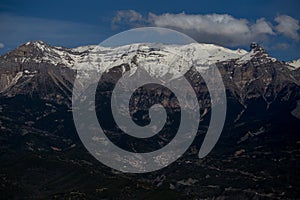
295, 64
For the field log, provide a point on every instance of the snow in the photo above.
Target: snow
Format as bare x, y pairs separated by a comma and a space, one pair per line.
153, 57
262, 58
246, 58
295, 64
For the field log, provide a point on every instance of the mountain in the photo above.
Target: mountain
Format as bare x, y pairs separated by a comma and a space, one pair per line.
49, 72
42, 156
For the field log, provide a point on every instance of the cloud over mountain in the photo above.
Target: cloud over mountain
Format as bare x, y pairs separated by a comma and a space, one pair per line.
288, 26
222, 29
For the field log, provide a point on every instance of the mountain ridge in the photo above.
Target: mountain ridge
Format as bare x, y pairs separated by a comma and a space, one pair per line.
42, 156
28, 60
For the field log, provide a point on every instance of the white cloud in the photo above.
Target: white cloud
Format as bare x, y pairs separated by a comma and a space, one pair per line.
261, 26
129, 17
1, 45
288, 26
220, 29
215, 24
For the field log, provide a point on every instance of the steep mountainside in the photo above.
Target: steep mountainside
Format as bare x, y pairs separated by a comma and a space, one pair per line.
42, 157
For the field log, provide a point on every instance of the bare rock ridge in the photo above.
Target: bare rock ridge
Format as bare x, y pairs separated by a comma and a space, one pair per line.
42, 157
35, 59
36, 68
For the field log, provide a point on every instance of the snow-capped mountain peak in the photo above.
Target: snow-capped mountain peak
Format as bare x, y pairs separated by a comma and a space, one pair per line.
257, 53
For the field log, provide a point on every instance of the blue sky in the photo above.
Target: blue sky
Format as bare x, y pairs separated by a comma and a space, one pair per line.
233, 24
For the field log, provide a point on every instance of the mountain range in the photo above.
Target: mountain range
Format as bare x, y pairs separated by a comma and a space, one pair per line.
257, 156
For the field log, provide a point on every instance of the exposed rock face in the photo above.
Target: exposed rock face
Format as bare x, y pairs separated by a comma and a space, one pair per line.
260, 76
257, 85
21, 74
256, 156
37, 68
